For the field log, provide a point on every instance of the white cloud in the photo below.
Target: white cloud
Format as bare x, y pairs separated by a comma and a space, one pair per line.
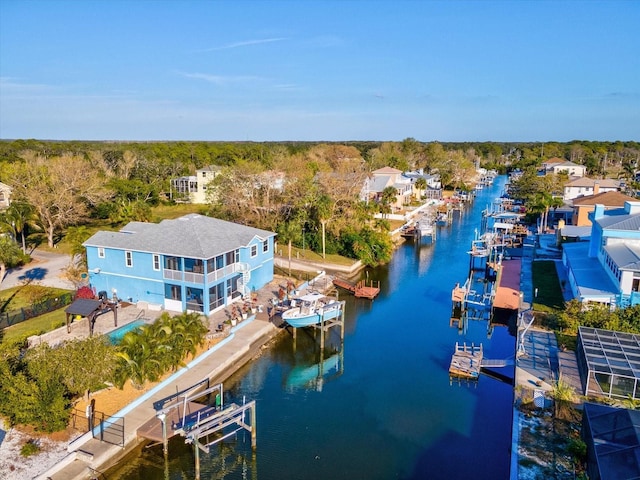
222, 79
246, 43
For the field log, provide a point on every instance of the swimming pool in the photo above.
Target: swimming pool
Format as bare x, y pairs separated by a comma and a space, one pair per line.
115, 336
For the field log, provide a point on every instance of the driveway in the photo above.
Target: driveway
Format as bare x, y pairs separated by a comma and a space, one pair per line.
46, 269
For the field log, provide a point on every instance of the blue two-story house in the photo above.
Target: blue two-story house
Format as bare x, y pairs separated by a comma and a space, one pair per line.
607, 269
193, 263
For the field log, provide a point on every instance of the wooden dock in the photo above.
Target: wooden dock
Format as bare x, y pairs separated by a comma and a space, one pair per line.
466, 361
360, 289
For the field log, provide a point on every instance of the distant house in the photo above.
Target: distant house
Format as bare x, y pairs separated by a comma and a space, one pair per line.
194, 263
559, 165
584, 187
582, 206
5, 195
193, 188
388, 177
434, 185
607, 269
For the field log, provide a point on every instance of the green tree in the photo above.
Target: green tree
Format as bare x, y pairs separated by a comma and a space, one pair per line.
10, 255
421, 186
60, 189
388, 198
84, 364
17, 219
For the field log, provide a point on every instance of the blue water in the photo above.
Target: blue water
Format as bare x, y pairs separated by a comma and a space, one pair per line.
115, 336
389, 410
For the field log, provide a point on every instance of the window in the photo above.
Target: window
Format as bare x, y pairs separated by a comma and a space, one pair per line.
254, 250
128, 258
100, 252
265, 246
156, 262
172, 292
172, 263
216, 296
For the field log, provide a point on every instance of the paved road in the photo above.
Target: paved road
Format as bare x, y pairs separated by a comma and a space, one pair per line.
46, 269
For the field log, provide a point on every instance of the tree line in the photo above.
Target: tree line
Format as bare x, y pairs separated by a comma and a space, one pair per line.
309, 193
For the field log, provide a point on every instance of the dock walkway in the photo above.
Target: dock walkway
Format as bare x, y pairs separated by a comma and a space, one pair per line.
360, 289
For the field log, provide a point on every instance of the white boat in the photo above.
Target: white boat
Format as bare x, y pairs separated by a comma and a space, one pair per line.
311, 309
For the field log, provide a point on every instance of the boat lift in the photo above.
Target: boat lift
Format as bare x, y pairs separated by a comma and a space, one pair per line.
195, 421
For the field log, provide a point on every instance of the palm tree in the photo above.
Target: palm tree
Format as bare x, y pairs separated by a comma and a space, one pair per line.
421, 185
16, 219
389, 196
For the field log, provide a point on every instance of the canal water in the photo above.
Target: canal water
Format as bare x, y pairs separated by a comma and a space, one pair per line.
379, 406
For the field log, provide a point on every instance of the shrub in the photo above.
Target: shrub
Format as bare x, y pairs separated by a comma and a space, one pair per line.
30, 448
578, 449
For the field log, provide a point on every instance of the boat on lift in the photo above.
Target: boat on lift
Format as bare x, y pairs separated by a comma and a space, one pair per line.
312, 309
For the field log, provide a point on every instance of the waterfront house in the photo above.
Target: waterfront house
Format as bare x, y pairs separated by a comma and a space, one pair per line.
388, 177
584, 186
194, 188
582, 206
434, 185
607, 269
5, 195
193, 263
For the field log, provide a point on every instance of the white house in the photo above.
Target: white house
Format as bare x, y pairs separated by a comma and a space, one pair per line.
388, 177
193, 188
557, 165
5, 195
584, 186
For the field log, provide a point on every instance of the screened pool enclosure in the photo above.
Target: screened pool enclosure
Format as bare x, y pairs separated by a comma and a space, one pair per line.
609, 363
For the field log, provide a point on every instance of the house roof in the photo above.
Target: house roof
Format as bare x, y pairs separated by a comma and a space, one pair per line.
553, 161
615, 439
618, 219
625, 256
566, 163
590, 277
609, 199
378, 184
193, 235
590, 182
386, 171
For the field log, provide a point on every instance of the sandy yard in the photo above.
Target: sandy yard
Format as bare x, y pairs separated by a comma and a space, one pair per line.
53, 448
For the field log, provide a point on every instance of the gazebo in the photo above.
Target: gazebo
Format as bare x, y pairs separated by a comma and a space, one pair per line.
89, 308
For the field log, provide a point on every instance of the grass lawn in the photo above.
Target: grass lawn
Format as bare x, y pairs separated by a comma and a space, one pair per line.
545, 280
163, 212
35, 326
24, 296
308, 255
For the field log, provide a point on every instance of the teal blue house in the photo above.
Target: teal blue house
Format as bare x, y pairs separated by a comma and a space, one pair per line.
193, 263
607, 269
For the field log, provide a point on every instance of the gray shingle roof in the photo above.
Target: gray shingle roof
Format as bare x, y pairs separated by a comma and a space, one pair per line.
193, 235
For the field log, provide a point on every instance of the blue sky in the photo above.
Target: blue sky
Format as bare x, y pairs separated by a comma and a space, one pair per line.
269, 70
